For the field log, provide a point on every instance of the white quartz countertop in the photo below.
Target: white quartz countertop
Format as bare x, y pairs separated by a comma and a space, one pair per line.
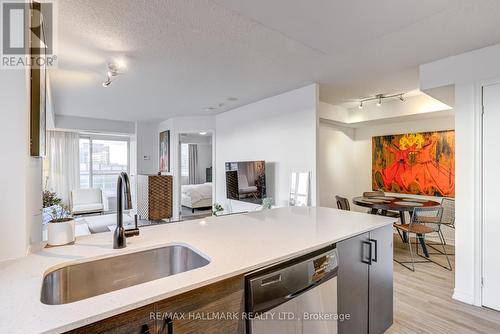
234, 244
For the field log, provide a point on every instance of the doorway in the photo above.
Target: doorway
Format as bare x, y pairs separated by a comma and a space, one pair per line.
196, 174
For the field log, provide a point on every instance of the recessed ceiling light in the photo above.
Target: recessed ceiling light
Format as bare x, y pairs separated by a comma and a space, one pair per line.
232, 99
203, 133
210, 108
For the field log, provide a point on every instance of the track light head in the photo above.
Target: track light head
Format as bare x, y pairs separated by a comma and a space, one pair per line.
361, 105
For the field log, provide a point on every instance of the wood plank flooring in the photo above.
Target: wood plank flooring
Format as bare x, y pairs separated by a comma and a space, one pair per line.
423, 303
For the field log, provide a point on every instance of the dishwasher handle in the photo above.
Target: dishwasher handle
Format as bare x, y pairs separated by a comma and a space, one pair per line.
311, 286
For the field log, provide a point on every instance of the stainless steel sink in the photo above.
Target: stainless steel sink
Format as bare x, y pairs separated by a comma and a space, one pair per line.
83, 280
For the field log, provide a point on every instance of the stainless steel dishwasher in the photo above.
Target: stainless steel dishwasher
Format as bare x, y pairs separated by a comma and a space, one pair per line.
295, 296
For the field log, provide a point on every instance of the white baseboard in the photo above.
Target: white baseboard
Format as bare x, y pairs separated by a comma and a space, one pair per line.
463, 297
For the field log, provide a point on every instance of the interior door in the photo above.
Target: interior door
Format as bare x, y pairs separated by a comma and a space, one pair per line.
491, 196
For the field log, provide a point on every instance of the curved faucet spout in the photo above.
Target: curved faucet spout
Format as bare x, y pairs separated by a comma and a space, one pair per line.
123, 202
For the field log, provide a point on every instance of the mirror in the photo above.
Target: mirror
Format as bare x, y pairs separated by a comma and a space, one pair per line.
300, 188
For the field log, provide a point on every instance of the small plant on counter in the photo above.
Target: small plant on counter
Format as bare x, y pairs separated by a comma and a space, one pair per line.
60, 214
267, 203
61, 228
216, 208
50, 199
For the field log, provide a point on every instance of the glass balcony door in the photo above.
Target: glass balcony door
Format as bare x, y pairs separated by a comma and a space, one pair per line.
101, 161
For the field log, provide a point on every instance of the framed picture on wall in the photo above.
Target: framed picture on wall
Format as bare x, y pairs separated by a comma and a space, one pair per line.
165, 151
420, 163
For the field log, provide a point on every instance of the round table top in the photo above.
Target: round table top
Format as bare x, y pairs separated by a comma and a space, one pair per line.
393, 203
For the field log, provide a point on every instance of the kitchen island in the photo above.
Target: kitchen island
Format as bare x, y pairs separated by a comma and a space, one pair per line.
234, 245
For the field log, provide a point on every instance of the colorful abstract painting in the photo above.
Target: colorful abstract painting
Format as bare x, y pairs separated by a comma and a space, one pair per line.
415, 163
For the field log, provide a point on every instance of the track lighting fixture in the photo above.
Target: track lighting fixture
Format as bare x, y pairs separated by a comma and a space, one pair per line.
112, 72
379, 98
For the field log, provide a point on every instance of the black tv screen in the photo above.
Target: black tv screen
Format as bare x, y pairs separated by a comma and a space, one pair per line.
246, 181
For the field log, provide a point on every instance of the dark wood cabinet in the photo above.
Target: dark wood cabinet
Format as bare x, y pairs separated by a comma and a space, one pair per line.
208, 310
365, 282
213, 309
138, 321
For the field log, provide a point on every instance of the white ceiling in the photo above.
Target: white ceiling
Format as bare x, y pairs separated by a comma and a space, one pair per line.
185, 55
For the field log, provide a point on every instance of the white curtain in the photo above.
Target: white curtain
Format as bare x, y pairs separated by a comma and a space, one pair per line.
193, 164
62, 163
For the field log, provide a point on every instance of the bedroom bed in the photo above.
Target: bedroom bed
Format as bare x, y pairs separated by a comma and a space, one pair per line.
196, 196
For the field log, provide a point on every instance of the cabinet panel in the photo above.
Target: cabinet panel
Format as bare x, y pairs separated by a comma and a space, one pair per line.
216, 308
381, 281
137, 321
353, 284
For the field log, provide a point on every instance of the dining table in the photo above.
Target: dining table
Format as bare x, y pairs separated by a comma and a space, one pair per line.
384, 204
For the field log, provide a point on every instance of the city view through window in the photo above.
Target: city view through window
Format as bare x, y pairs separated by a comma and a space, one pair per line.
101, 161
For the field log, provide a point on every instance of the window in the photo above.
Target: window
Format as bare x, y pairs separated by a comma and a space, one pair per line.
184, 159
84, 162
101, 161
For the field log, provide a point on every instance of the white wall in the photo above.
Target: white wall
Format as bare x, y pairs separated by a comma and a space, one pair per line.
20, 175
73, 123
468, 72
337, 171
148, 150
280, 130
467, 261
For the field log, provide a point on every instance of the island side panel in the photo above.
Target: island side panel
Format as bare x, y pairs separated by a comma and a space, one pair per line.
353, 285
381, 282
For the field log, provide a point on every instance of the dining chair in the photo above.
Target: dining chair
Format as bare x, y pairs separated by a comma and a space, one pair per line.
424, 221
448, 205
342, 203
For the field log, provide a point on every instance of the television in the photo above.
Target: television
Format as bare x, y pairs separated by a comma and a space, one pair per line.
246, 181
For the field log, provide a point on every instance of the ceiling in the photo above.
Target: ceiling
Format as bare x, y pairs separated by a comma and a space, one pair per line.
183, 56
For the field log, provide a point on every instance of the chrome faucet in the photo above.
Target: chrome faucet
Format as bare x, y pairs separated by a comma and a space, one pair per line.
123, 197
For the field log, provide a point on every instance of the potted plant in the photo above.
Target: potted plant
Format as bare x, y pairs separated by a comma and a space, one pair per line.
50, 199
61, 228
267, 203
216, 208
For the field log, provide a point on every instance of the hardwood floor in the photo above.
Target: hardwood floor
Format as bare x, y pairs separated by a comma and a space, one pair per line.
423, 302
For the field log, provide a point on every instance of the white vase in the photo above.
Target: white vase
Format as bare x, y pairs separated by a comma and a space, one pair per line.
61, 233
